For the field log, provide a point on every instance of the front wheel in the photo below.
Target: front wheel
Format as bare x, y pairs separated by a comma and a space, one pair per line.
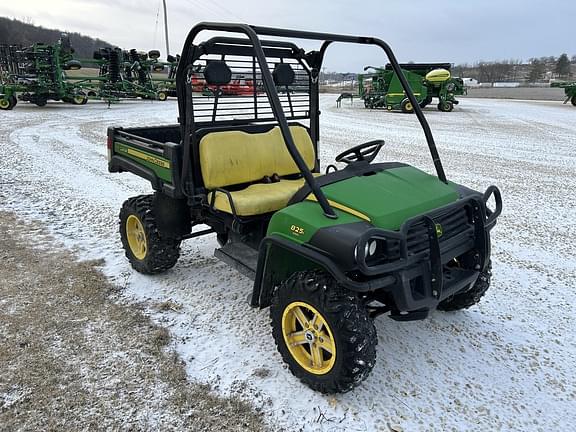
148, 251
323, 332
470, 295
162, 96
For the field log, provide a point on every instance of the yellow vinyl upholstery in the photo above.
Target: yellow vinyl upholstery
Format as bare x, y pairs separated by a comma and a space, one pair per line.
235, 157
258, 198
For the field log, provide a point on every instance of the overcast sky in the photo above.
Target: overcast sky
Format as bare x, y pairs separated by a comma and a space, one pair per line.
455, 31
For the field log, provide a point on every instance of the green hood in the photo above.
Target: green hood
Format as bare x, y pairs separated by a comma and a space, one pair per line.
390, 197
385, 199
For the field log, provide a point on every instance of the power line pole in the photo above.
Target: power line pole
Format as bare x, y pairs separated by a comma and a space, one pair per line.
166, 29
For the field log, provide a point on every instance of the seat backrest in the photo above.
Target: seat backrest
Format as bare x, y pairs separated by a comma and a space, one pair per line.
237, 157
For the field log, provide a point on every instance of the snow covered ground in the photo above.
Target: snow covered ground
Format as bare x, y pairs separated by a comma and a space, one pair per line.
508, 364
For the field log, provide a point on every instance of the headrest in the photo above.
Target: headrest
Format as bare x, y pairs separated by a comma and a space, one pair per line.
217, 72
283, 74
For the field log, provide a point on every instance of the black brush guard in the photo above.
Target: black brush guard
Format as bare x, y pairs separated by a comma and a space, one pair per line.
421, 277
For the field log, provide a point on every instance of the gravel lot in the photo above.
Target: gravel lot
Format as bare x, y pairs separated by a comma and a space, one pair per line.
506, 364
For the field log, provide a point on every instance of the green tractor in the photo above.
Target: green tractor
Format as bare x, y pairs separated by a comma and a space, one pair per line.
329, 249
383, 89
569, 90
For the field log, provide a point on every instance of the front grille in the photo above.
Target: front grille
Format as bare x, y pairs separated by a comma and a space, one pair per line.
453, 223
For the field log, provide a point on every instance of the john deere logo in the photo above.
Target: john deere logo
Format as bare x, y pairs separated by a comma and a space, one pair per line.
439, 230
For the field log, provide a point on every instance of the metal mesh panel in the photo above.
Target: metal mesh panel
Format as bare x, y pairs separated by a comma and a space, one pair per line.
244, 97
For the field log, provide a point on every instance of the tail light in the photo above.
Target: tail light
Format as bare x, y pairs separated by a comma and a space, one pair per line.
109, 144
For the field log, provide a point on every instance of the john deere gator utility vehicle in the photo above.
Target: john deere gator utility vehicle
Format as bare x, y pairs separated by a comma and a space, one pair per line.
328, 249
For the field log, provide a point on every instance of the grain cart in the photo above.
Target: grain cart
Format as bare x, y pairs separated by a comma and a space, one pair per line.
329, 249
569, 90
382, 89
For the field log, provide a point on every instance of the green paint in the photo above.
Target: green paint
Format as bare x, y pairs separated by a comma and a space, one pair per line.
307, 216
388, 198
160, 165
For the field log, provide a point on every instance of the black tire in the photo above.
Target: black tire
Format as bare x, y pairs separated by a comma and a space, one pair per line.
446, 106
6, 104
406, 106
425, 102
162, 96
161, 252
573, 100
469, 296
13, 102
154, 54
72, 65
41, 101
353, 331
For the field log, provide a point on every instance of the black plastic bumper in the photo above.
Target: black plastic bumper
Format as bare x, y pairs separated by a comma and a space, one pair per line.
422, 279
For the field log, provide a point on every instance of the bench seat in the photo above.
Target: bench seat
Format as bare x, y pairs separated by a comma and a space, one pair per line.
231, 158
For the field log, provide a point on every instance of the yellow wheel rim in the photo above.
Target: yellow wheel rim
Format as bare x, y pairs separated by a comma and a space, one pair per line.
162, 96
78, 99
4, 103
136, 237
409, 106
308, 338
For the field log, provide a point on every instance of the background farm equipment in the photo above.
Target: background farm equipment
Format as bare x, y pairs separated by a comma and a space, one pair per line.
569, 90
36, 74
39, 73
128, 74
382, 88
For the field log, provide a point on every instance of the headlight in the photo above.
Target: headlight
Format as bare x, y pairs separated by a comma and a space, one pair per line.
379, 250
369, 249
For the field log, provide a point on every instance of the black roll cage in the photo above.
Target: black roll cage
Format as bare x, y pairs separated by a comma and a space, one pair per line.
315, 59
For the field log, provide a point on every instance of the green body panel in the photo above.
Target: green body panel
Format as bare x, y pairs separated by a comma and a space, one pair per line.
161, 166
300, 221
387, 198
392, 196
396, 93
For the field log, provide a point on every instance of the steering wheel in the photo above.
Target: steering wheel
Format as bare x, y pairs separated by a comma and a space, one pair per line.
362, 152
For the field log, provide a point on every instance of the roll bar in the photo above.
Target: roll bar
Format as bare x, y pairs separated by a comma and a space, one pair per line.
252, 32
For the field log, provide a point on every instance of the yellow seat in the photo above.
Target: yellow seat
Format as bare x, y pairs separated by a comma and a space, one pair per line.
258, 198
231, 158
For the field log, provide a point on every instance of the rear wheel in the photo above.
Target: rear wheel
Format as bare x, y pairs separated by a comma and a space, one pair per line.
469, 296
445, 106
323, 332
40, 101
146, 248
79, 99
5, 104
406, 106
162, 96
573, 100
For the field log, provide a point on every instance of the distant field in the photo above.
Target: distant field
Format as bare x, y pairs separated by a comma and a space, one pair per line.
525, 93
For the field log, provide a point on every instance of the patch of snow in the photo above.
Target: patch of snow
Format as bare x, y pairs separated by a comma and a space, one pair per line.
506, 364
